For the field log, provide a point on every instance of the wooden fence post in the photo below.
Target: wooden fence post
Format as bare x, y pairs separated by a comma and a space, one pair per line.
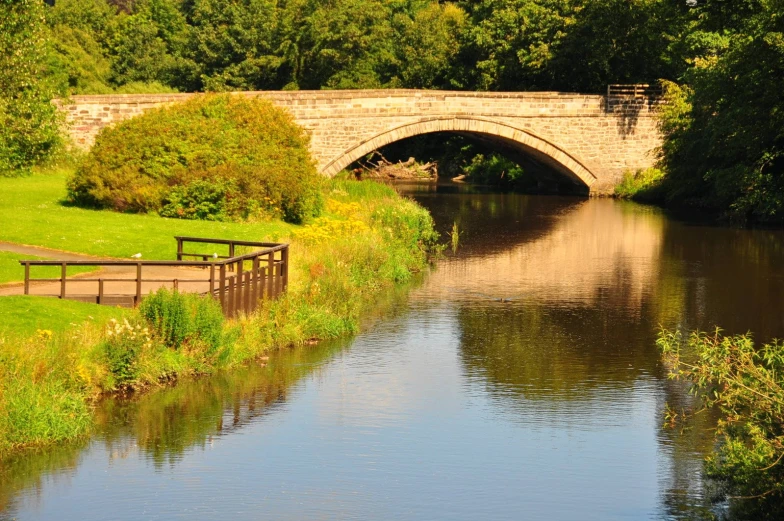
222, 289
270, 274
138, 297
247, 290
238, 280
255, 282
231, 280
284, 266
63, 269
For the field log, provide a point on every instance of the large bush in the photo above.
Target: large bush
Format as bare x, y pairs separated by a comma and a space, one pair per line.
723, 141
212, 157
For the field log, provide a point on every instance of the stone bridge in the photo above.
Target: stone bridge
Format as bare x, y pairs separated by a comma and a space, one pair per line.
587, 140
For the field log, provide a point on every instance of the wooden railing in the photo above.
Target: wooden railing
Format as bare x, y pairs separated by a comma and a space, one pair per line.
635, 91
238, 282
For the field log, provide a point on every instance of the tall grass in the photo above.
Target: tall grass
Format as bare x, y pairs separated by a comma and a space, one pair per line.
42, 396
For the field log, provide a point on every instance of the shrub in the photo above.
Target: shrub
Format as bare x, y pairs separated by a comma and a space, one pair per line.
199, 200
745, 381
208, 322
496, 169
644, 185
177, 318
123, 344
213, 156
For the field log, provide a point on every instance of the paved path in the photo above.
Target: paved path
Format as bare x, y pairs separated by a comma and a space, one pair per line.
47, 253
84, 286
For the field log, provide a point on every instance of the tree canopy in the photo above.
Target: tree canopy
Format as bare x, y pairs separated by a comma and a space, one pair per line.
28, 123
722, 62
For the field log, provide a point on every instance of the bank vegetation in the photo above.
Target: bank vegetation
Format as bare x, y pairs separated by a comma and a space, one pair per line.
227, 167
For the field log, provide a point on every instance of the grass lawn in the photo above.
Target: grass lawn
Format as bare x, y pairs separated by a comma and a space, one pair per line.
21, 316
11, 270
32, 213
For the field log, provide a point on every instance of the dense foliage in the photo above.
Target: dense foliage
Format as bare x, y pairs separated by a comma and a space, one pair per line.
582, 45
724, 129
746, 383
214, 157
28, 122
722, 60
495, 169
643, 185
180, 318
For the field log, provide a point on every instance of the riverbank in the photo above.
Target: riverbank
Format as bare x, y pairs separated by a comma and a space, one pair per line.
369, 240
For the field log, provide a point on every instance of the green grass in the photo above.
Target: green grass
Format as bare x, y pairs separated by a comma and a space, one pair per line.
22, 316
11, 270
32, 212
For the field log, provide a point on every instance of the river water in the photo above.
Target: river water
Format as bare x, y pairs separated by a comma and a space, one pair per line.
518, 380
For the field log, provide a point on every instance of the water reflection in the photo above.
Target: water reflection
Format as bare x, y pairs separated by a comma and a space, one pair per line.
620, 255
160, 428
520, 380
561, 317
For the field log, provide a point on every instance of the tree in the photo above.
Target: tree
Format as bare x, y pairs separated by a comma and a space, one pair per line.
346, 44
232, 45
77, 33
428, 44
745, 382
618, 41
509, 44
28, 120
724, 145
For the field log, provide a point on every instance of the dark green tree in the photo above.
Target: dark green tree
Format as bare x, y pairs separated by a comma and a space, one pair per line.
232, 45
427, 44
724, 137
346, 44
509, 43
78, 32
618, 41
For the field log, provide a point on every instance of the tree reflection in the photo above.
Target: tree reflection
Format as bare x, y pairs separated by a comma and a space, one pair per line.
166, 424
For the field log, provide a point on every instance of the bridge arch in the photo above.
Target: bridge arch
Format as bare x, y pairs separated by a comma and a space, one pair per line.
523, 140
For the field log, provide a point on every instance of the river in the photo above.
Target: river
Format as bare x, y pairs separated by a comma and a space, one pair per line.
518, 380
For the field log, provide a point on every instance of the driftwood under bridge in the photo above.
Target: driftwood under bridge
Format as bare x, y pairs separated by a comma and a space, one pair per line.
239, 281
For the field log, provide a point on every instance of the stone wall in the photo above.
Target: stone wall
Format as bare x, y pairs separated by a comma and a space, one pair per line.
591, 139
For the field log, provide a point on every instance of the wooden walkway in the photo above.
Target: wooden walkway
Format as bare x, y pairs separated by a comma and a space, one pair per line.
237, 281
